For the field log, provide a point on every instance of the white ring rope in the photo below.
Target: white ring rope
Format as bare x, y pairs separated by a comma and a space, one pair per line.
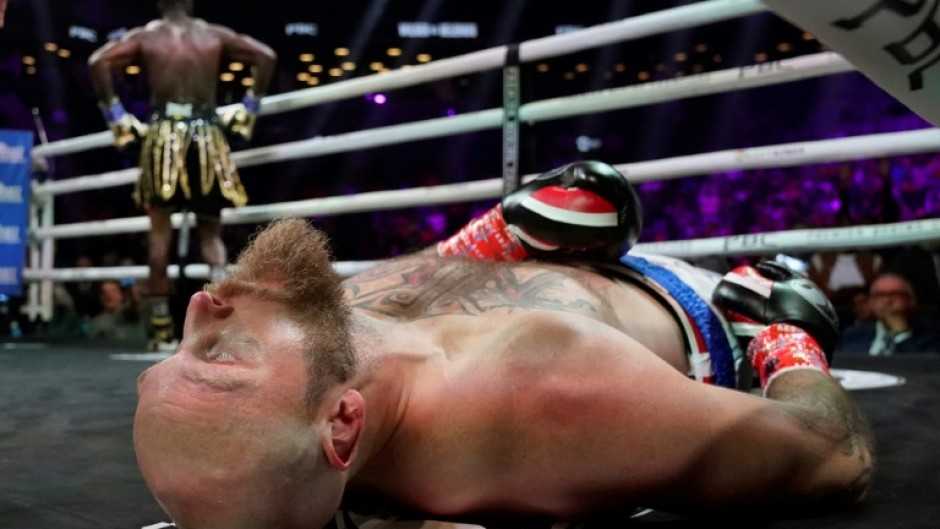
697, 14
733, 79
780, 155
766, 243
194, 271
799, 241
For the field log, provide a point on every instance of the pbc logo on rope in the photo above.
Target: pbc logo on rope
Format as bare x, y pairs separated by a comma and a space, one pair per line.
746, 241
920, 48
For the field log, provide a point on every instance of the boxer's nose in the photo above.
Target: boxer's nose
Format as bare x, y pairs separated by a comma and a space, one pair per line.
205, 304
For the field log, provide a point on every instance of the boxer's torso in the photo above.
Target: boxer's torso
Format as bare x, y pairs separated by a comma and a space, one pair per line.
504, 354
182, 61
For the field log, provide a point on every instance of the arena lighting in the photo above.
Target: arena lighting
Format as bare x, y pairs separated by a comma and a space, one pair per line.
587, 143
443, 30
83, 33
305, 29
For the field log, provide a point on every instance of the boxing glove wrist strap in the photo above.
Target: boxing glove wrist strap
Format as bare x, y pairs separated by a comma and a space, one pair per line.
782, 347
251, 103
485, 237
113, 110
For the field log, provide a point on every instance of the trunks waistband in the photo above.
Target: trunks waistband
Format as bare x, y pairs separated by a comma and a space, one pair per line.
711, 351
184, 111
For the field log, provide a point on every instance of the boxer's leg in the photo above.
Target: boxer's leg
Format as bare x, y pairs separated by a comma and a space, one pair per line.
159, 241
162, 179
220, 187
211, 246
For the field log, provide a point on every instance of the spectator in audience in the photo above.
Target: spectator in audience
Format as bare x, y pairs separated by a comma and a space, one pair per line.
896, 325
116, 321
841, 273
84, 293
857, 308
65, 321
838, 272
921, 263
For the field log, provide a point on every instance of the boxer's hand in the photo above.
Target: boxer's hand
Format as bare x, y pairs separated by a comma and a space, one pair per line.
240, 119
770, 293
127, 129
583, 209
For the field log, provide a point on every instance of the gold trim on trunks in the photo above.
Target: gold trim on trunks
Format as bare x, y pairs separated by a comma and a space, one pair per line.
163, 162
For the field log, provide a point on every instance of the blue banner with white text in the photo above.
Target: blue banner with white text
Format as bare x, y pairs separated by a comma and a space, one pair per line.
15, 171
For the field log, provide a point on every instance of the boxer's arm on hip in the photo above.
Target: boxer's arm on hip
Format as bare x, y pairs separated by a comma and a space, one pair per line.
113, 56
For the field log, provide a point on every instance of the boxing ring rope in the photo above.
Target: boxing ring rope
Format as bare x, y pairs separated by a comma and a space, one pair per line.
784, 71
698, 14
43, 232
770, 156
668, 90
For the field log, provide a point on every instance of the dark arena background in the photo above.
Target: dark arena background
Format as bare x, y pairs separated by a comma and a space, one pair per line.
824, 171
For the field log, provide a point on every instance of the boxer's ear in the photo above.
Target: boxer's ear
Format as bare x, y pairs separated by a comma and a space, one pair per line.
346, 419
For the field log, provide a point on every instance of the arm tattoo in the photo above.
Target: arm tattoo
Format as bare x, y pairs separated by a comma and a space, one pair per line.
829, 412
410, 289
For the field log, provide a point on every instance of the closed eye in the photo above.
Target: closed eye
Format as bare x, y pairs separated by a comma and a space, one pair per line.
223, 357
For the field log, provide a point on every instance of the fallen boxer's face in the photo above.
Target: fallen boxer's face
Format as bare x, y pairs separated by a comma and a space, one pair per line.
222, 433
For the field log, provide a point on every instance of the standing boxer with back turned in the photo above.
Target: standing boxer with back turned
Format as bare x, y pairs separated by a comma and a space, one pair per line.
185, 158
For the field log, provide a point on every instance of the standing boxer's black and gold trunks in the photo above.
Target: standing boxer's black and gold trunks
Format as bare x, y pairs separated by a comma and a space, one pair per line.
185, 163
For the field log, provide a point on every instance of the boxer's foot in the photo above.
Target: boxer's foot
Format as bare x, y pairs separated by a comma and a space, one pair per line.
162, 338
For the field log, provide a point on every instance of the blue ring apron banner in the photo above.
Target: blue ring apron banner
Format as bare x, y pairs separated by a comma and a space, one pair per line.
15, 171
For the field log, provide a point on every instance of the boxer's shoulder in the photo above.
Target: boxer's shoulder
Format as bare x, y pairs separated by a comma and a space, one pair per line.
425, 287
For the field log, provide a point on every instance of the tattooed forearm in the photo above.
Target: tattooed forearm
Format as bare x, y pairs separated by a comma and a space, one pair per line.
421, 288
826, 409
823, 406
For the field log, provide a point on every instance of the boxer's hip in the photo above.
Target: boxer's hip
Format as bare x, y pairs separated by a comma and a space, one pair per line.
714, 354
186, 162
184, 112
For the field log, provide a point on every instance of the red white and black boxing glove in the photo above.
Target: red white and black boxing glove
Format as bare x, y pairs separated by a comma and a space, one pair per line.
753, 297
580, 211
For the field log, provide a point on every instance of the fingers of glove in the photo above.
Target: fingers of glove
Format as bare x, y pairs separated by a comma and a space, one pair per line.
776, 271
